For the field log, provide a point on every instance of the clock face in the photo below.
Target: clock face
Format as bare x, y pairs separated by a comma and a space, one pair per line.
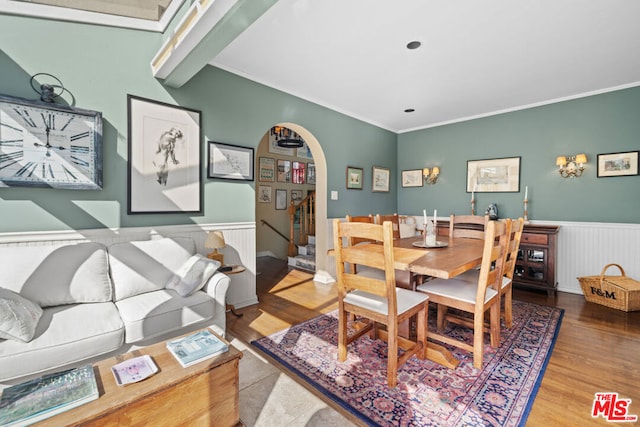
48, 145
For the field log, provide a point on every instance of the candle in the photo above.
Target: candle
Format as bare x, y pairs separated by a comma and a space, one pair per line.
472, 195
435, 217
526, 192
424, 213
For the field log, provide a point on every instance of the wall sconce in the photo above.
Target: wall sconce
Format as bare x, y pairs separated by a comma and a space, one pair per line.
571, 166
431, 176
215, 241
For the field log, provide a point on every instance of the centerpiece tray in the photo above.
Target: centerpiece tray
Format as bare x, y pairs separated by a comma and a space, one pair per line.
422, 244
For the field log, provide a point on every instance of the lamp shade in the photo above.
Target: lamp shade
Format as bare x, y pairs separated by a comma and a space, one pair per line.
581, 159
561, 161
215, 240
425, 172
436, 170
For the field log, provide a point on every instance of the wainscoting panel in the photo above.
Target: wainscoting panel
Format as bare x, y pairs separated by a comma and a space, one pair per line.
584, 248
239, 238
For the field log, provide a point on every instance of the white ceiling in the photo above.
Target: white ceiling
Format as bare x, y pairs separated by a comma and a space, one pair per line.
477, 57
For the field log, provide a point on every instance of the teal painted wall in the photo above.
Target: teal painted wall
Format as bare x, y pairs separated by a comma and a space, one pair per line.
101, 65
592, 125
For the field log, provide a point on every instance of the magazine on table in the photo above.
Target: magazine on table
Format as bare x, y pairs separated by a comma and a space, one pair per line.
134, 370
26, 403
196, 347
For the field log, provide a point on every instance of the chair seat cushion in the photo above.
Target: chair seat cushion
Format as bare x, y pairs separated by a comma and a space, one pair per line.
456, 289
473, 275
405, 300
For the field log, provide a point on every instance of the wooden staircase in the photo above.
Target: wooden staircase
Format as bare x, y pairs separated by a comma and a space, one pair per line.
302, 218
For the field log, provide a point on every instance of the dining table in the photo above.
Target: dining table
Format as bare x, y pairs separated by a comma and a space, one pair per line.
445, 260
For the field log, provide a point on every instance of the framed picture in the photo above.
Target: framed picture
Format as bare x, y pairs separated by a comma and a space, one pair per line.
281, 199
284, 170
311, 173
298, 172
380, 180
304, 152
494, 175
264, 194
412, 178
618, 164
296, 196
228, 161
354, 178
164, 173
267, 169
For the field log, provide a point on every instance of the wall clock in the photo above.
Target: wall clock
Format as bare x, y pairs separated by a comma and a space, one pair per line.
49, 145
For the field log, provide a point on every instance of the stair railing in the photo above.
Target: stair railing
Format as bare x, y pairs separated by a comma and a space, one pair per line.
305, 213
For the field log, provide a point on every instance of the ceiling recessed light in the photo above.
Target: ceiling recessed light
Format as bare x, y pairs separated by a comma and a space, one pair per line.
413, 45
409, 110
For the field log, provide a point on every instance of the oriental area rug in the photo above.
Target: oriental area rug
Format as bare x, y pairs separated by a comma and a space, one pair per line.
428, 394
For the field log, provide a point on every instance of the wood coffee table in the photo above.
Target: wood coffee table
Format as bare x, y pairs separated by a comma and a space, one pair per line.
202, 394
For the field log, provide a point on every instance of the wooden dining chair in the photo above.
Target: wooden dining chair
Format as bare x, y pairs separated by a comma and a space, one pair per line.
374, 301
458, 226
395, 221
474, 298
511, 256
368, 219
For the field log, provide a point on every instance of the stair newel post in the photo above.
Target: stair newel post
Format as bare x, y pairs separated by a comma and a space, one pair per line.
292, 246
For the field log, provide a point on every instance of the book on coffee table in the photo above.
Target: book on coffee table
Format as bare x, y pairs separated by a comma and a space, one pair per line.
44, 397
134, 370
196, 347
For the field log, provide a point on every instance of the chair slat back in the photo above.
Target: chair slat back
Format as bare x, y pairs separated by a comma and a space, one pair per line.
395, 221
515, 235
362, 218
355, 254
456, 221
493, 258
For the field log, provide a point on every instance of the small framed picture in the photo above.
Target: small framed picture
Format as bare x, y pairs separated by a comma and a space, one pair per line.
264, 194
267, 171
298, 172
380, 179
296, 196
494, 175
412, 178
618, 164
354, 178
281, 199
311, 173
284, 170
228, 161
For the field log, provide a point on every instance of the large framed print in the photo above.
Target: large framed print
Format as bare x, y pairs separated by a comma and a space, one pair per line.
412, 178
493, 175
44, 144
267, 169
164, 173
618, 164
380, 179
227, 161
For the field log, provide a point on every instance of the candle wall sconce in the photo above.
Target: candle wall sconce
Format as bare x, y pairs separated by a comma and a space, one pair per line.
431, 175
571, 166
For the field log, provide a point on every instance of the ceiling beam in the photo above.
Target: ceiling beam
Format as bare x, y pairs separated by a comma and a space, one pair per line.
203, 33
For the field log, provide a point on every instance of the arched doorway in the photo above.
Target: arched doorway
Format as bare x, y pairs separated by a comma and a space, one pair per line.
321, 274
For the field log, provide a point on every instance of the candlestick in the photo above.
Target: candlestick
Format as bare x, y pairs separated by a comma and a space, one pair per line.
526, 211
526, 192
473, 207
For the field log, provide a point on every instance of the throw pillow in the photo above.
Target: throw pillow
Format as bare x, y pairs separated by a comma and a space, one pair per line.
192, 275
18, 316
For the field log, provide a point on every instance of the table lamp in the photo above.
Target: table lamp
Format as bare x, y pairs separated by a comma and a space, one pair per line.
215, 240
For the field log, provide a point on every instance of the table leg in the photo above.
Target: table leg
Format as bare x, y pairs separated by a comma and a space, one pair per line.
441, 355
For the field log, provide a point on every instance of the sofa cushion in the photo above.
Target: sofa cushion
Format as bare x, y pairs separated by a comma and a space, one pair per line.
154, 313
57, 275
192, 275
145, 266
65, 335
18, 316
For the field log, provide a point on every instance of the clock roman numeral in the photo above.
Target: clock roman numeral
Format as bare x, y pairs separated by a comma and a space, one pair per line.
80, 162
9, 159
11, 143
26, 117
27, 169
69, 173
79, 149
49, 121
11, 127
67, 124
79, 136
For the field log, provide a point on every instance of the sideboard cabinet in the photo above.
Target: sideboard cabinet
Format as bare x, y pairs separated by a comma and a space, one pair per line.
536, 263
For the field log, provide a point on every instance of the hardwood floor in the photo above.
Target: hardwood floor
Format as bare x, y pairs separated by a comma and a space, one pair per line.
597, 348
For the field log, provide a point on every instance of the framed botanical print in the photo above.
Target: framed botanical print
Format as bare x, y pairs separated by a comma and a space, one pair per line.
412, 178
493, 175
354, 178
380, 180
227, 161
164, 173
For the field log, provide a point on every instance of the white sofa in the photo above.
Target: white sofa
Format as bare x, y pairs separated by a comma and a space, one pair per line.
96, 300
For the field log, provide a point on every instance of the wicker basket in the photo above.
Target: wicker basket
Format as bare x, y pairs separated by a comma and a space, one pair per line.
619, 292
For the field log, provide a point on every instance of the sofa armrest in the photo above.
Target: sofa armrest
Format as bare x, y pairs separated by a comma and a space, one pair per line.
216, 288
